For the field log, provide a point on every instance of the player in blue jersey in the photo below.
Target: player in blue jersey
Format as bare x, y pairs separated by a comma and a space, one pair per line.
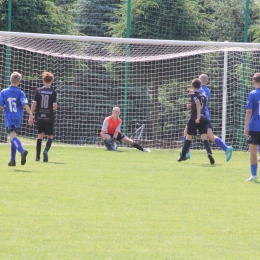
13, 101
213, 138
252, 125
198, 121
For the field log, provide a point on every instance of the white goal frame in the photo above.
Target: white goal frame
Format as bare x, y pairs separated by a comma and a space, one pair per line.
224, 47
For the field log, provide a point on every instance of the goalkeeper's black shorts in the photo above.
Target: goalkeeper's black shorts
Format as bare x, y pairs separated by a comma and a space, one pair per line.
119, 137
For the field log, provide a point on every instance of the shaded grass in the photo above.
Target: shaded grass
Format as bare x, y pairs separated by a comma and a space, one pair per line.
88, 203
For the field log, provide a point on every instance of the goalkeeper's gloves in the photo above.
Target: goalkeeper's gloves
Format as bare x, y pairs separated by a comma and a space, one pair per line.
113, 143
108, 145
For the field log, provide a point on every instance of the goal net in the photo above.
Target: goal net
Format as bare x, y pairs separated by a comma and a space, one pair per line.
147, 79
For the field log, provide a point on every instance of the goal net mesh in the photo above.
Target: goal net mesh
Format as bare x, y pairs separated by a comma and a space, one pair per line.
148, 80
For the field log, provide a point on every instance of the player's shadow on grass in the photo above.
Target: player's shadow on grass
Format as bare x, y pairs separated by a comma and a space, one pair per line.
117, 151
55, 163
18, 170
210, 165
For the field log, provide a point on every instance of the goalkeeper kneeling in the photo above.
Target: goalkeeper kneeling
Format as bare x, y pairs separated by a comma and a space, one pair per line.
111, 132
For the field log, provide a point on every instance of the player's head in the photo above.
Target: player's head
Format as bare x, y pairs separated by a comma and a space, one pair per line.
256, 79
47, 77
15, 78
116, 112
196, 84
204, 79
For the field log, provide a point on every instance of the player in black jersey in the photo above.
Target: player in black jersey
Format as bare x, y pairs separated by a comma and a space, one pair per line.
198, 121
44, 104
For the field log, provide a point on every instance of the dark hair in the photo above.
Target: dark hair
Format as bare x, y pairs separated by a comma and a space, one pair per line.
256, 77
196, 83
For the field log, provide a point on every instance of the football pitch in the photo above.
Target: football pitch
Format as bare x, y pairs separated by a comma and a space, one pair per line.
89, 203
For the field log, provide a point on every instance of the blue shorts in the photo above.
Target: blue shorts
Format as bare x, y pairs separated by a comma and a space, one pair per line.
12, 128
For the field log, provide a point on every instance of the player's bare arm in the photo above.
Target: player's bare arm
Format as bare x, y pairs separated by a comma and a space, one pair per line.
247, 119
33, 106
27, 108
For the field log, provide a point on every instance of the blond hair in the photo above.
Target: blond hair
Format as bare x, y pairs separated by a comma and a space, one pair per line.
15, 78
204, 79
116, 108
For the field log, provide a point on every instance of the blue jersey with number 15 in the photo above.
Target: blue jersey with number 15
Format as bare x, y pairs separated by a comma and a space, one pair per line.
13, 99
253, 102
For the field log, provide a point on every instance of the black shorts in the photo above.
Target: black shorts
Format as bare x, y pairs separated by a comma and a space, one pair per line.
45, 127
119, 137
12, 128
253, 138
209, 125
193, 127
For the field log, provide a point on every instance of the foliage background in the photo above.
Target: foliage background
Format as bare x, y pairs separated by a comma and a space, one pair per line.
218, 20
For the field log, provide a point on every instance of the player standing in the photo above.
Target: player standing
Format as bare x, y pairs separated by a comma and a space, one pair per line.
13, 100
198, 121
45, 103
252, 125
213, 138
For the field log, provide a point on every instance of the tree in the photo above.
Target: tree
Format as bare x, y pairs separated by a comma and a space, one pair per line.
160, 19
38, 16
66, 4
93, 16
226, 19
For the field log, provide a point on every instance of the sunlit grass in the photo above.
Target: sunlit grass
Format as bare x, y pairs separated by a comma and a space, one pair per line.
88, 203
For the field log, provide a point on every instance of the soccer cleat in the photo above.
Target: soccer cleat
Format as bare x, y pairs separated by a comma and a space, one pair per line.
37, 159
252, 178
259, 159
146, 150
181, 159
211, 159
45, 156
12, 163
23, 157
228, 152
188, 155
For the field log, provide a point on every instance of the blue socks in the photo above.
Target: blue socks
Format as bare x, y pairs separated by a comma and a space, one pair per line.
17, 144
253, 169
183, 142
220, 144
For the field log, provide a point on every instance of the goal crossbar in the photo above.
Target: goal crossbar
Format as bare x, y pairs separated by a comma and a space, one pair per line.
146, 78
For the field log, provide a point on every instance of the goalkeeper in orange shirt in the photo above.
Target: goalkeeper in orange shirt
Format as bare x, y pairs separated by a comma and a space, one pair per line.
111, 131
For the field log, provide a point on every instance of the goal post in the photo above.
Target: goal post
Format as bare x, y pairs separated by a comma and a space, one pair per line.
91, 78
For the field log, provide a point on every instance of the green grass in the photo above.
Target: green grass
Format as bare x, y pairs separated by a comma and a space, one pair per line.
88, 203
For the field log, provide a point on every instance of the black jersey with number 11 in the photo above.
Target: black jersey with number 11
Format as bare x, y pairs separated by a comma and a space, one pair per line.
45, 97
198, 96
